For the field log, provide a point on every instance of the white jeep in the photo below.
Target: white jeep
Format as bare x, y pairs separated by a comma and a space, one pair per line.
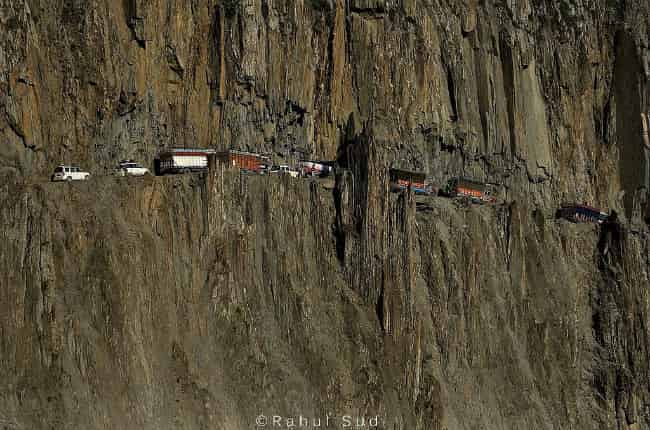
69, 173
131, 168
286, 170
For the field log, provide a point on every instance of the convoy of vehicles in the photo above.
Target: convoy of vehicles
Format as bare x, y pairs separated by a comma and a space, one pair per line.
193, 160
69, 173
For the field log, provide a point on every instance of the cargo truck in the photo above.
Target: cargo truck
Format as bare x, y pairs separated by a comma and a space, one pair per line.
404, 179
182, 160
246, 161
466, 188
579, 213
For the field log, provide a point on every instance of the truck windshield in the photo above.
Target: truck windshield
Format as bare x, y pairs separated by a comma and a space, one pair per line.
58, 170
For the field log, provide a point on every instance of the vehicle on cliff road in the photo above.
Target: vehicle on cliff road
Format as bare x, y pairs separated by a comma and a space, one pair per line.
401, 180
69, 173
286, 170
278, 170
182, 160
478, 192
131, 168
314, 168
579, 213
246, 161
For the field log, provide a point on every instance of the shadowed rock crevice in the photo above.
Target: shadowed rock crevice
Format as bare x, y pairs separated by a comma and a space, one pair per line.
628, 119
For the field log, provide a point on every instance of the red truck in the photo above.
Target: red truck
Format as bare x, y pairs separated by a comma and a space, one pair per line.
467, 188
403, 180
246, 161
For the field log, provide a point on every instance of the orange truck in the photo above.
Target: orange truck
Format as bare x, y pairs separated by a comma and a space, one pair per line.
467, 188
403, 180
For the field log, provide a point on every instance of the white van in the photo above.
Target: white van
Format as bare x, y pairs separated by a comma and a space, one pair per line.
69, 173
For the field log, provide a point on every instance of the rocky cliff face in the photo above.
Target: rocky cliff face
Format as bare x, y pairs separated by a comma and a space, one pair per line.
203, 301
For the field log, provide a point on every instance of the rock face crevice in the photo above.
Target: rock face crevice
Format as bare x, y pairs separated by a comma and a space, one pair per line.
203, 301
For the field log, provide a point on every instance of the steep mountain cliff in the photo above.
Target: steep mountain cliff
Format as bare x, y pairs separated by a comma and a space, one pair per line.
207, 301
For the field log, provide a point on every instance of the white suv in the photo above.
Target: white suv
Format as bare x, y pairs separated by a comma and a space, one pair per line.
69, 173
286, 170
131, 168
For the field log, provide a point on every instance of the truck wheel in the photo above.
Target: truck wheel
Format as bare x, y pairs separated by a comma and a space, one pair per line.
68, 179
